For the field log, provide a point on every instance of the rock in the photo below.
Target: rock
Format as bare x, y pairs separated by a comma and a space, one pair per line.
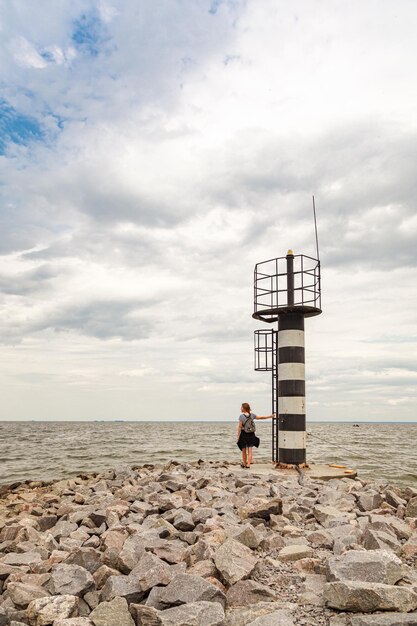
27, 558
390, 524
183, 520
88, 558
248, 535
329, 516
204, 569
386, 619
369, 501
320, 539
242, 616
132, 551
361, 596
379, 540
173, 551
374, 566
22, 594
114, 613
186, 588
44, 611
194, 614
145, 615
234, 561
71, 580
152, 571
295, 552
4, 620
247, 592
277, 618
127, 587
102, 574
411, 508
265, 509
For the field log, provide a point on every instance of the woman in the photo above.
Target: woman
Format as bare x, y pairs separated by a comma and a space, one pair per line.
246, 437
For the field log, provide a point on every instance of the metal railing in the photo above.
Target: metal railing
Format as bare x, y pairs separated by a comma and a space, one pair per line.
271, 286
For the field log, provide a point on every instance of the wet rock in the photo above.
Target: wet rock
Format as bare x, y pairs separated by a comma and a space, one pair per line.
365, 597
234, 561
44, 611
247, 592
70, 580
374, 566
186, 588
114, 613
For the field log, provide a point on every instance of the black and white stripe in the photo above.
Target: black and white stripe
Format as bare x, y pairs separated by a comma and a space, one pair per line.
291, 389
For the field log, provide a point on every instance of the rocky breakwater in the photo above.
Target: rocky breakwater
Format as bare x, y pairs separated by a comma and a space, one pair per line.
207, 544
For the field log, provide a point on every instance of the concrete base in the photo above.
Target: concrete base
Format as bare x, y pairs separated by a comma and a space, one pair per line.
315, 472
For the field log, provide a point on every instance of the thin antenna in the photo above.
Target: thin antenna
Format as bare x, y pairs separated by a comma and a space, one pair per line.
315, 226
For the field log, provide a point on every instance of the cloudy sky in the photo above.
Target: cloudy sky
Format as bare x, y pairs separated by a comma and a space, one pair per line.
152, 151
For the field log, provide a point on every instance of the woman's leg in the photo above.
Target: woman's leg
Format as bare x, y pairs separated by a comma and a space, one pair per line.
244, 456
250, 455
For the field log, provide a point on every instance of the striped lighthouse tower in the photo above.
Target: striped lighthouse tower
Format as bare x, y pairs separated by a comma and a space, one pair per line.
286, 294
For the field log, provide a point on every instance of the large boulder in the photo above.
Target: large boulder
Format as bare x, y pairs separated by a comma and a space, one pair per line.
373, 566
234, 561
349, 595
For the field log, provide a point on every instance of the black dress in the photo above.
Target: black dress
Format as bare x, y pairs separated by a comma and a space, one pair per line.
248, 440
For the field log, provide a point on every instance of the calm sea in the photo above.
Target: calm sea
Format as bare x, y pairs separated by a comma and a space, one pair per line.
47, 450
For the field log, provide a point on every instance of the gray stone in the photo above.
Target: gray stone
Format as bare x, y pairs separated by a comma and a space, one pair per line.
102, 574
22, 594
132, 551
369, 501
329, 516
44, 611
265, 509
152, 571
145, 615
248, 535
193, 614
411, 508
247, 592
366, 597
71, 580
379, 540
114, 613
173, 551
391, 524
27, 558
242, 616
183, 520
386, 619
295, 552
186, 588
63, 529
234, 561
127, 587
88, 558
277, 618
4, 620
374, 566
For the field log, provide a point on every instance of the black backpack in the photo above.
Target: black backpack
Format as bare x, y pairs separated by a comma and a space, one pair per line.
249, 423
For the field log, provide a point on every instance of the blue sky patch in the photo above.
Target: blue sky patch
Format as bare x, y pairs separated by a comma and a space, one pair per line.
17, 128
88, 33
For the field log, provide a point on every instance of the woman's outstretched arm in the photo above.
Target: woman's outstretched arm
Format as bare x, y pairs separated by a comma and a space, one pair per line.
265, 417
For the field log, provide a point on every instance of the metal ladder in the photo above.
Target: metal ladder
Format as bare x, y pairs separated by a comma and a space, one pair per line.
275, 420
